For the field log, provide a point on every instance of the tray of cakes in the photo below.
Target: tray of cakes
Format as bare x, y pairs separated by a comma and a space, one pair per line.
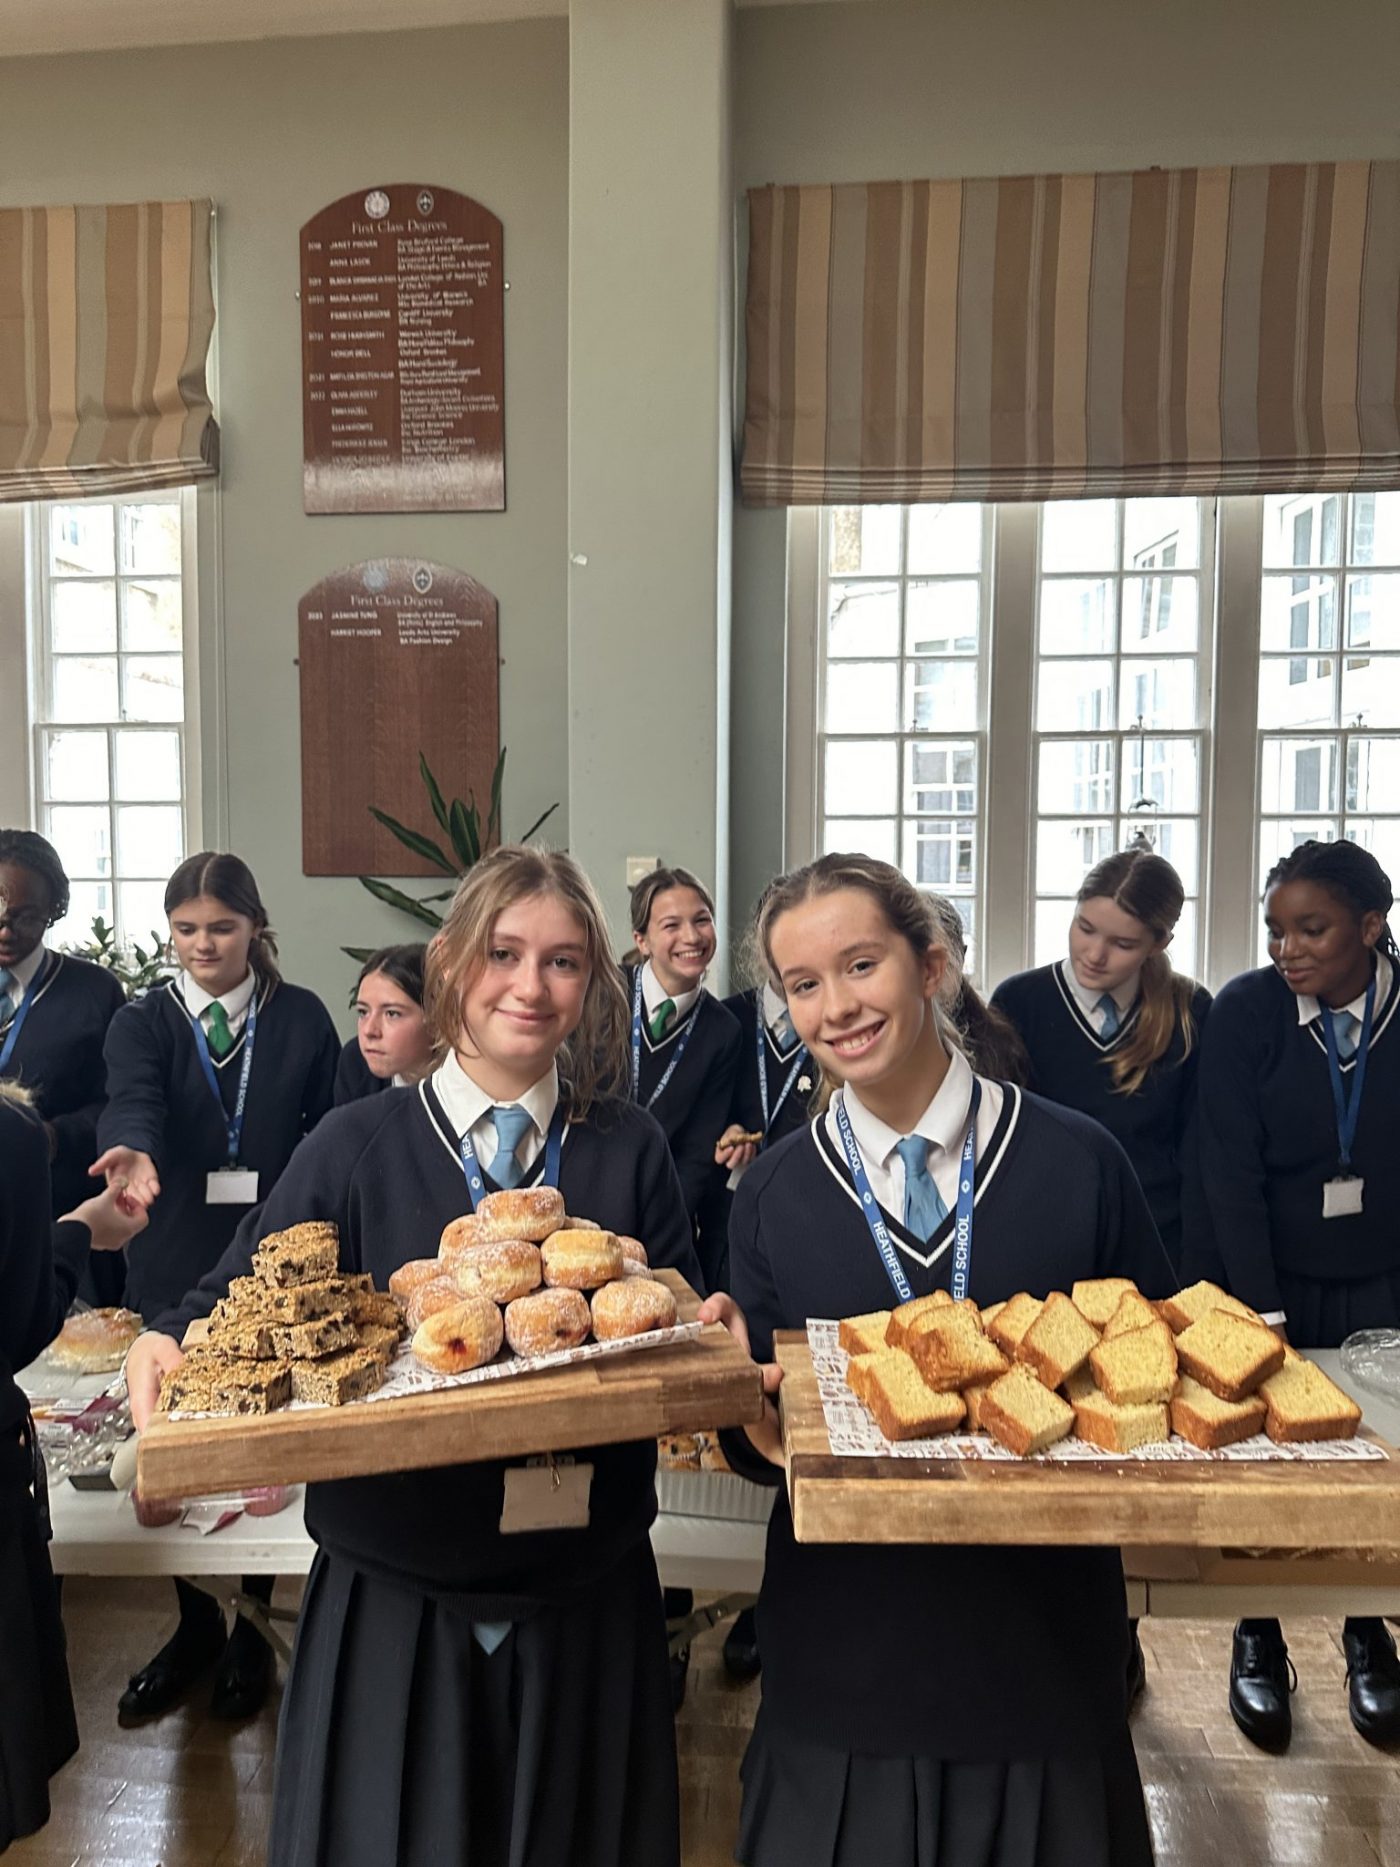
523, 1334
1088, 1416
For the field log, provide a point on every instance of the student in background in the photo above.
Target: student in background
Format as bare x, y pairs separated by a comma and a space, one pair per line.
1300, 1084
458, 1692
212, 1080
392, 1047
989, 1039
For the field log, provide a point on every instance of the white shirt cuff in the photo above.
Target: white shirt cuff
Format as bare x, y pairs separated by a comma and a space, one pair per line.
1272, 1316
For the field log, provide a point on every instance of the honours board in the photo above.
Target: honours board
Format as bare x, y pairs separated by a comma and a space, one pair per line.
398, 656
403, 354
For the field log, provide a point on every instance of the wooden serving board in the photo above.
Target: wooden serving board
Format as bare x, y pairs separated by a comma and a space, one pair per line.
705, 1382
1352, 1506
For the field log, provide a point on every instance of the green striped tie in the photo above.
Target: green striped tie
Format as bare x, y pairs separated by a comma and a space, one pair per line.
220, 1036
661, 1017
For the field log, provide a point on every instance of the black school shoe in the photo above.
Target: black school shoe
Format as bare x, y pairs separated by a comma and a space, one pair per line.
181, 1663
680, 1674
1261, 1678
1373, 1680
244, 1677
741, 1658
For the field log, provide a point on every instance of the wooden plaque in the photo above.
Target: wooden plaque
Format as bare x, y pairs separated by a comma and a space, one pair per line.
1352, 1506
398, 657
403, 354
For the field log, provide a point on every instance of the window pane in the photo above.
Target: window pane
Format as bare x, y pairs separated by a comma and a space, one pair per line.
86, 901
1371, 690
1074, 696
84, 687
1280, 836
1052, 920
1184, 951
941, 852
1296, 692
1066, 849
153, 687
82, 835
1373, 612
863, 697
1373, 775
864, 539
1161, 534
1076, 776
148, 766
1164, 772
862, 619
1176, 839
1300, 774
941, 618
940, 777
151, 538
1157, 693
1298, 612
868, 836
141, 913
945, 538
150, 839
1302, 528
84, 618
941, 695
151, 615
1079, 534
1076, 616
1381, 835
80, 540
77, 766
861, 777
1375, 528
1159, 615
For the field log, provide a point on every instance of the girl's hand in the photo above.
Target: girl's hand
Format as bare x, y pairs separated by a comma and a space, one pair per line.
734, 1149
765, 1435
132, 1175
149, 1357
108, 1221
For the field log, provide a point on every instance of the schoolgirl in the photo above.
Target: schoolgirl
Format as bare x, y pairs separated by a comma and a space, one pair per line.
988, 1038
392, 1047
1112, 1031
925, 1704
1300, 1080
212, 1081
39, 1272
500, 1696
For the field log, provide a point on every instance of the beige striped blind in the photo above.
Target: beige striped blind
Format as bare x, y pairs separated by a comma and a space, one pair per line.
1060, 336
105, 319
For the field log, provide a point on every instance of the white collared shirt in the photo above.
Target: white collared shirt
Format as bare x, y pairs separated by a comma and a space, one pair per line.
1124, 998
22, 972
943, 1124
468, 1107
654, 995
235, 1002
775, 1008
1310, 1008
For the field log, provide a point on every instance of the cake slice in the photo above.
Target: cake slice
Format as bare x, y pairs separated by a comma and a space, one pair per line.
1303, 1403
1229, 1354
247, 1337
1014, 1318
1207, 1421
381, 1342
907, 1316
303, 1254
894, 1391
1198, 1300
1100, 1422
376, 1306
1137, 1369
862, 1335
972, 1399
338, 1378
308, 1341
1022, 1414
1057, 1341
951, 1352
287, 1303
1133, 1312
1096, 1298
990, 1314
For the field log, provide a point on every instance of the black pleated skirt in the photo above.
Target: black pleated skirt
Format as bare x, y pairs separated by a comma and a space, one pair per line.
38, 1729
1322, 1314
403, 1742
806, 1806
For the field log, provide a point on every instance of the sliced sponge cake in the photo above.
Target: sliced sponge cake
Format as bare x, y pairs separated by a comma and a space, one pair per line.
894, 1391
1229, 1354
1058, 1341
1137, 1369
1209, 1422
1304, 1404
1023, 1415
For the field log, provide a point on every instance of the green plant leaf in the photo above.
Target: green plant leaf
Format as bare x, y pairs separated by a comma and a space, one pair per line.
435, 797
538, 821
493, 819
446, 895
359, 953
420, 845
396, 898
466, 834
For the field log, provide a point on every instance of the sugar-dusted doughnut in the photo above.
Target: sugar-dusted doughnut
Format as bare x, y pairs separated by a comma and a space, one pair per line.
503, 1271
407, 1278
581, 1260
633, 1250
546, 1320
463, 1336
634, 1306
461, 1233
572, 1224
440, 1293
529, 1212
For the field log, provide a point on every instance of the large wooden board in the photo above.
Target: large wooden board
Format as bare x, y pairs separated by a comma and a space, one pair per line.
1281, 1506
706, 1382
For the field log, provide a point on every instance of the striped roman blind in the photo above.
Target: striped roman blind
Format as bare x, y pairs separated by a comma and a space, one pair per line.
105, 319
1062, 336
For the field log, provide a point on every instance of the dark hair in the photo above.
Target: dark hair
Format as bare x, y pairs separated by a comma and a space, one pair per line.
644, 894
227, 878
1145, 885
28, 850
1346, 871
991, 1040
401, 965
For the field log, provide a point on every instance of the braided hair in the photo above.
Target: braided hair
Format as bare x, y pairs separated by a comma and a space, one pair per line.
28, 850
1349, 873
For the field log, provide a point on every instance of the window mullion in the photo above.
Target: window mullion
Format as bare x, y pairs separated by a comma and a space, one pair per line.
1008, 914
1233, 773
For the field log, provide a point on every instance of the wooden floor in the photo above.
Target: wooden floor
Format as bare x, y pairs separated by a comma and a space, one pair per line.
187, 1792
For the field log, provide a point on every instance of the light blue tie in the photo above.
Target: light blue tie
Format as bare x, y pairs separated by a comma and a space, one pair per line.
512, 1124
1111, 1020
7, 1003
924, 1210
1348, 1030
783, 1031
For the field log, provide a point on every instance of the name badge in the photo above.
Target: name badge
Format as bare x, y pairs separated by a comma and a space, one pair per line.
1342, 1198
546, 1494
231, 1186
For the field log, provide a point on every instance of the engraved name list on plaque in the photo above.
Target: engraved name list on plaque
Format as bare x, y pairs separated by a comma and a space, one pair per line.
403, 354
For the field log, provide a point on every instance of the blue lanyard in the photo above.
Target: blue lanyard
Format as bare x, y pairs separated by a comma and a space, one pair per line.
206, 1063
880, 1232
1348, 1108
554, 1143
17, 1025
797, 1063
670, 1069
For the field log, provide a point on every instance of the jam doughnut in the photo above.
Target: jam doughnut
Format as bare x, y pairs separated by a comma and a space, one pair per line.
635, 1306
633, 1250
547, 1320
581, 1260
463, 1336
529, 1212
408, 1277
428, 1299
503, 1271
461, 1233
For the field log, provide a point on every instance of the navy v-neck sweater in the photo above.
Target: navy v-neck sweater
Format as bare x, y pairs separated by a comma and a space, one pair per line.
1070, 1064
58, 1058
354, 1078
693, 1108
160, 1103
